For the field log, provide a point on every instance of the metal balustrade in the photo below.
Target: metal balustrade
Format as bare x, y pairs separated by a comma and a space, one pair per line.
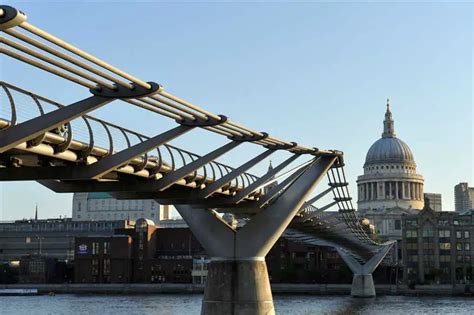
63, 145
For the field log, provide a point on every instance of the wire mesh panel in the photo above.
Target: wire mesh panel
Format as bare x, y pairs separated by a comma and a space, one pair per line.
7, 105
26, 107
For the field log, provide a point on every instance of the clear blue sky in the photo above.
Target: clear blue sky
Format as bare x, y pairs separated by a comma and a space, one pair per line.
315, 73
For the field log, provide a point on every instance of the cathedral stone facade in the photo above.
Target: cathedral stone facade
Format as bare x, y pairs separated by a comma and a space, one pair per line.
390, 185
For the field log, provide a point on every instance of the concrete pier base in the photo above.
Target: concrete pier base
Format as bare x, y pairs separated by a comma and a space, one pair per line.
237, 287
363, 286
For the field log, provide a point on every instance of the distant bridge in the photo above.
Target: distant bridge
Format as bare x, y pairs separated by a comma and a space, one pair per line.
65, 149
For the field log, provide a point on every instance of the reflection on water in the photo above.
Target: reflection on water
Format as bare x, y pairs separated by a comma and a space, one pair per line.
386, 305
164, 304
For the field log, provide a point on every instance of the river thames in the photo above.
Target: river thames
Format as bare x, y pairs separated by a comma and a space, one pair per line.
191, 304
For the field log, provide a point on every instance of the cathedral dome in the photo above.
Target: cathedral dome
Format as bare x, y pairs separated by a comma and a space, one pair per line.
389, 149
389, 182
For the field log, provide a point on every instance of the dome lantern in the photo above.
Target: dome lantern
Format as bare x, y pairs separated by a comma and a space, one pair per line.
388, 124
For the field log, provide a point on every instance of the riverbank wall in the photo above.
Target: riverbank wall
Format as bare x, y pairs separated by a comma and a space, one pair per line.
277, 289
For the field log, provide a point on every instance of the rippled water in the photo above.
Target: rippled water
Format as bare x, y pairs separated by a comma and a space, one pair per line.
190, 304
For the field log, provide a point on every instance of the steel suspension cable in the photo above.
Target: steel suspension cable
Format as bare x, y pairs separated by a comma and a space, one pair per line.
47, 68
56, 63
53, 39
64, 56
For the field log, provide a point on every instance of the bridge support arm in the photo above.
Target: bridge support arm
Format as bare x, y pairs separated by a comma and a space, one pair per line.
362, 282
171, 178
263, 230
209, 190
260, 181
114, 161
238, 281
274, 191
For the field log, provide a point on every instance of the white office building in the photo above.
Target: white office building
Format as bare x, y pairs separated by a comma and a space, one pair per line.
102, 206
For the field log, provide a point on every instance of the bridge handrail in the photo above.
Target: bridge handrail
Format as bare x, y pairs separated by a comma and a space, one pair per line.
152, 162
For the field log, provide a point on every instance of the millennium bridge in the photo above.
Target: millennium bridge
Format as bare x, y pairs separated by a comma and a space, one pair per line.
64, 148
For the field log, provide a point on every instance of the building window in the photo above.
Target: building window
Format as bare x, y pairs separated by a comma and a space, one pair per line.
387, 190
36, 267
467, 259
458, 246
466, 234
106, 267
95, 267
398, 225
412, 234
412, 246
458, 234
428, 231
444, 233
95, 248
444, 258
106, 248
467, 246
429, 261
393, 193
428, 248
140, 241
445, 246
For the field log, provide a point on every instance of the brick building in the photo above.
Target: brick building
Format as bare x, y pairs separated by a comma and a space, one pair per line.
142, 254
43, 269
50, 237
147, 253
438, 247
103, 259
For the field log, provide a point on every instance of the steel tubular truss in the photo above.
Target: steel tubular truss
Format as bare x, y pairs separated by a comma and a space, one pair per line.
47, 148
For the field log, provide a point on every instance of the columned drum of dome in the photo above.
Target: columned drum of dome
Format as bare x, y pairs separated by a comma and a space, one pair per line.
390, 179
